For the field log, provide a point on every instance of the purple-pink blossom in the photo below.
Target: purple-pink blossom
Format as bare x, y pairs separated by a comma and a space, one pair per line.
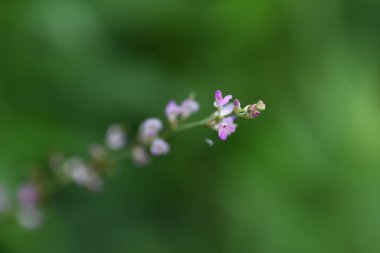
28, 195
220, 101
159, 147
150, 128
226, 127
172, 111
188, 107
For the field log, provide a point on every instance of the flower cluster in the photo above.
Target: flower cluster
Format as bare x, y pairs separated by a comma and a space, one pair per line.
178, 113
151, 140
228, 112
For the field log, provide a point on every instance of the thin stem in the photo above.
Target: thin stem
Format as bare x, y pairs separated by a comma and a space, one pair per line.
203, 122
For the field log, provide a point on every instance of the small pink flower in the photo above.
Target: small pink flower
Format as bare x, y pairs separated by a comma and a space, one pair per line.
188, 107
226, 127
159, 147
149, 129
172, 111
28, 195
220, 101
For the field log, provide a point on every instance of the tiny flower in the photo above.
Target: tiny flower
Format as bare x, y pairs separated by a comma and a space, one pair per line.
4, 199
115, 137
140, 157
220, 101
28, 195
159, 147
188, 107
29, 217
237, 104
172, 111
83, 175
226, 127
150, 128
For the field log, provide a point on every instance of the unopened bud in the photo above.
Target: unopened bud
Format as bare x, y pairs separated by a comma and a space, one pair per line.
260, 105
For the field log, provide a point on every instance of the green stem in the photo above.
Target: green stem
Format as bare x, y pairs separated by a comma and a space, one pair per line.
203, 122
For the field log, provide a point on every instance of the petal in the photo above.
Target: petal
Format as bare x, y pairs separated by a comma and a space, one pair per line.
223, 134
231, 129
227, 110
227, 99
218, 95
229, 120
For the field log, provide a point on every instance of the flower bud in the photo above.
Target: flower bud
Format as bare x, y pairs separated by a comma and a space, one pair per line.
237, 104
260, 105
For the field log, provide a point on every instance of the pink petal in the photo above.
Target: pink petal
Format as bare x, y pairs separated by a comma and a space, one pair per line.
218, 95
223, 134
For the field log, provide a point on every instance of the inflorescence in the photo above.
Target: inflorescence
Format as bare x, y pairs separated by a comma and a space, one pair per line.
150, 141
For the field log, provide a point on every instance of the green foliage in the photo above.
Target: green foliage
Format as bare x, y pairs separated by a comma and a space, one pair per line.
303, 178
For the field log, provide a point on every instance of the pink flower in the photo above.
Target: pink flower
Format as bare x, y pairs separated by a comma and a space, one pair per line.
172, 111
188, 107
149, 129
226, 127
159, 147
220, 101
28, 195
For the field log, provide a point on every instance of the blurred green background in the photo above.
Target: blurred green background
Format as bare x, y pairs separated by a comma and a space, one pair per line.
304, 177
